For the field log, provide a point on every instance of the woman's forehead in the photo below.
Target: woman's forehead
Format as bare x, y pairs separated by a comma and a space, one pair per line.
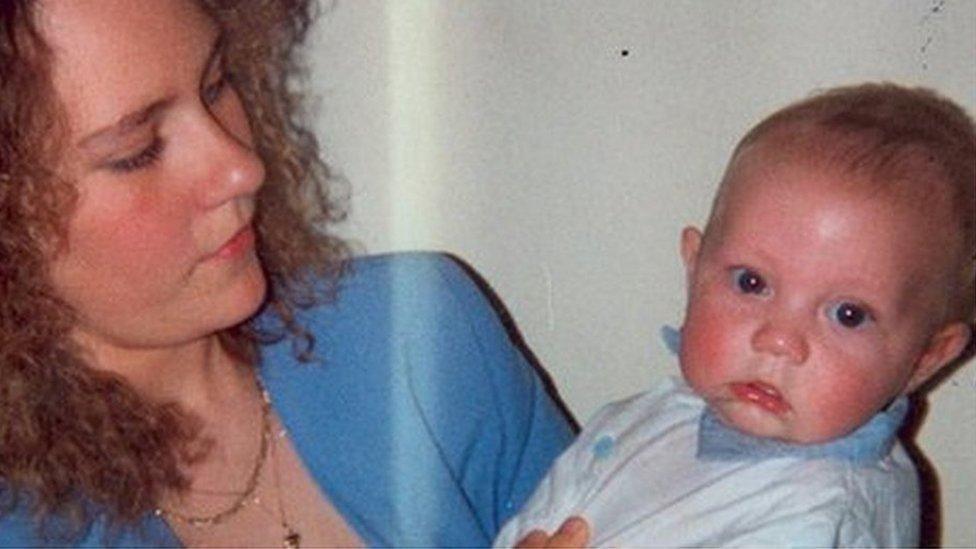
115, 56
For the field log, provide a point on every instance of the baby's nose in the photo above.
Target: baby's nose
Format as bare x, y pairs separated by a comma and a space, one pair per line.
781, 341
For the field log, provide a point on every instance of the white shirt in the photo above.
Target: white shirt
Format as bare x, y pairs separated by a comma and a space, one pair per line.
634, 474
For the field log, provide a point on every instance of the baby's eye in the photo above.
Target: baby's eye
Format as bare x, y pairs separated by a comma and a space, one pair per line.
849, 315
748, 281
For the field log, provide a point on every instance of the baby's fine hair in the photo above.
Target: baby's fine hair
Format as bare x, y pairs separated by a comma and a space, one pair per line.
886, 132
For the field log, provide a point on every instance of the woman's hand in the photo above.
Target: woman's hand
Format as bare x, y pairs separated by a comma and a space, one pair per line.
575, 532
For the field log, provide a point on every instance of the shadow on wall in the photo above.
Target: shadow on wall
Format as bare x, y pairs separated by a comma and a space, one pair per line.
929, 484
929, 491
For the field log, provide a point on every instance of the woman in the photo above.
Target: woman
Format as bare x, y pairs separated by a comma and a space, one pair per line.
161, 285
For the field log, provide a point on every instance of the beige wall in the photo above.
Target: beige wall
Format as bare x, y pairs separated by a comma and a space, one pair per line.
517, 135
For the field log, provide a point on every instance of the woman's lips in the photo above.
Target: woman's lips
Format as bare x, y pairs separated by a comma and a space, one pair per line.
242, 241
761, 394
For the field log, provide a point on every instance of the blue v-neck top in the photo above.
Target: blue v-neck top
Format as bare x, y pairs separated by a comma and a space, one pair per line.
418, 419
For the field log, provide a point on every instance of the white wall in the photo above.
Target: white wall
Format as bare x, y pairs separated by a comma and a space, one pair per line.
515, 134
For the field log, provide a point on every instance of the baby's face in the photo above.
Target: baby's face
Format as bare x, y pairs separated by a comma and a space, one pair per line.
811, 302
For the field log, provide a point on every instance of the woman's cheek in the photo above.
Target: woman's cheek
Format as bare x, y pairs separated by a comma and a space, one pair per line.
138, 230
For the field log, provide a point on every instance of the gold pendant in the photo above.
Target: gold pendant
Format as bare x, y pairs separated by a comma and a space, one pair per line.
293, 540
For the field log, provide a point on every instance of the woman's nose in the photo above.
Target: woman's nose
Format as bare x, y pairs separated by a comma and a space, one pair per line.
233, 168
781, 341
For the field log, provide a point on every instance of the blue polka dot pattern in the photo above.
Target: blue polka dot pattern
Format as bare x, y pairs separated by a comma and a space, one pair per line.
603, 447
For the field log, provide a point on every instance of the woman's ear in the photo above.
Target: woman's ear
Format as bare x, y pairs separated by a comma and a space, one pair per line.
944, 346
691, 239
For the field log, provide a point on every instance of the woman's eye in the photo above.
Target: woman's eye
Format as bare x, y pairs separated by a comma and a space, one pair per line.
849, 315
212, 92
141, 159
748, 281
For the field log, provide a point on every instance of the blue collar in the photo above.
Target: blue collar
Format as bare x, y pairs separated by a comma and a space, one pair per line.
867, 444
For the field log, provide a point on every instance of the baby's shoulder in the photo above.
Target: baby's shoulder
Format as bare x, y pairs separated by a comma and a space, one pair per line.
662, 419
668, 404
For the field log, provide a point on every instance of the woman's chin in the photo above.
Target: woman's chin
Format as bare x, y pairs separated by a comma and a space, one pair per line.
232, 304
246, 297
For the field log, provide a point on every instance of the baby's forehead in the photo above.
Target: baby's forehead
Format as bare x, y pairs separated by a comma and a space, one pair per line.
778, 177
829, 166
802, 211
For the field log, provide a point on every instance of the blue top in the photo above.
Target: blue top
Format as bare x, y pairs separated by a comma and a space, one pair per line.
418, 418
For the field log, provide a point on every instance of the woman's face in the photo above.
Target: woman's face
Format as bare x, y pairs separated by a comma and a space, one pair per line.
160, 250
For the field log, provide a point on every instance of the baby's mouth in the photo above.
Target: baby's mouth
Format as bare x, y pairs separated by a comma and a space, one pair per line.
761, 394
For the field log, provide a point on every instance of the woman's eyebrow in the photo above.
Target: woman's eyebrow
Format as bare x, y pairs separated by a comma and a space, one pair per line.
133, 120
125, 124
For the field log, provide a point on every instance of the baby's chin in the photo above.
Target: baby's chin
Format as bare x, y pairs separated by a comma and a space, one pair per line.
755, 421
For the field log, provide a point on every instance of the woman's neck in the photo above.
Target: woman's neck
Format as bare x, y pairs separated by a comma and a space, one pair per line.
199, 376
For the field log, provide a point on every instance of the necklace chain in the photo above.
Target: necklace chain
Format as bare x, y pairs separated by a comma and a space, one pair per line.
245, 496
292, 539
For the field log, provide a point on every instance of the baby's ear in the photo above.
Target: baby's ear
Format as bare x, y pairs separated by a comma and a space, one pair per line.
691, 239
944, 347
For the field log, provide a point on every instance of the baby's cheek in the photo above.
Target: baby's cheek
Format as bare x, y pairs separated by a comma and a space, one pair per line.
844, 396
707, 343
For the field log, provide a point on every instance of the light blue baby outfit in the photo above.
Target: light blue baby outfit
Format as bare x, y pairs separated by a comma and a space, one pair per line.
658, 470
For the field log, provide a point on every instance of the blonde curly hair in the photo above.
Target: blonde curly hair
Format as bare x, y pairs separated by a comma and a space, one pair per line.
75, 442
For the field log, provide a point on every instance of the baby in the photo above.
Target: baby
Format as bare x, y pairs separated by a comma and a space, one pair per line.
834, 277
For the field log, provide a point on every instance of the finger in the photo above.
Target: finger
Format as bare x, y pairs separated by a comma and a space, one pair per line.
536, 538
575, 532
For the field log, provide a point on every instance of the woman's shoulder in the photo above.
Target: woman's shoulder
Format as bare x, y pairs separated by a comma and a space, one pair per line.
408, 297
415, 279
417, 313
410, 332
404, 265
416, 374
19, 529
16, 529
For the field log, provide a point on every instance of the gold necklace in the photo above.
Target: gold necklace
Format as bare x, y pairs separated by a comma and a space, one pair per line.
292, 538
246, 496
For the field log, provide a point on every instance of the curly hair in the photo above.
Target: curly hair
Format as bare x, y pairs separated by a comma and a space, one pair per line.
76, 442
